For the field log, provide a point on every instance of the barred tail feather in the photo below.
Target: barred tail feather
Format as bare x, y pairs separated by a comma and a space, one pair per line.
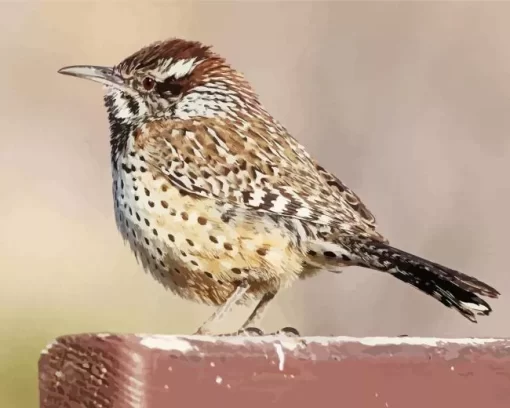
452, 288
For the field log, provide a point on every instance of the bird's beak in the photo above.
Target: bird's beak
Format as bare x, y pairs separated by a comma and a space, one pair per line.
103, 75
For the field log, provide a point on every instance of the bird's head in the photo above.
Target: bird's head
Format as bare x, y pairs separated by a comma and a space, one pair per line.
175, 79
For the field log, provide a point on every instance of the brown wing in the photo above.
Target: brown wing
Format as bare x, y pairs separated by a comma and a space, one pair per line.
249, 168
351, 198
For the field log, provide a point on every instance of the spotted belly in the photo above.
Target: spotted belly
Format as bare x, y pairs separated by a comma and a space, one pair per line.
199, 248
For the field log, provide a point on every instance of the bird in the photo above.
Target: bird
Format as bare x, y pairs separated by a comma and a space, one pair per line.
222, 205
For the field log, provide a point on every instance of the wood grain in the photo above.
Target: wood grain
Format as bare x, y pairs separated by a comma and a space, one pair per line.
151, 371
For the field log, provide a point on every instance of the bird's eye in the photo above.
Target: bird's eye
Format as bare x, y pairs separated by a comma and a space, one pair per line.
148, 83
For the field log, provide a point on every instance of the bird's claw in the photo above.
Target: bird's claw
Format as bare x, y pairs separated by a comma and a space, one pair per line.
247, 331
250, 331
256, 332
288, 331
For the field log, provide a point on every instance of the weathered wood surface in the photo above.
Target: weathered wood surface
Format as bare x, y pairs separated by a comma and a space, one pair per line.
150, 371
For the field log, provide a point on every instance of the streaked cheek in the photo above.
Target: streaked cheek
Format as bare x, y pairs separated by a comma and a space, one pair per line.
159, 105
126, 106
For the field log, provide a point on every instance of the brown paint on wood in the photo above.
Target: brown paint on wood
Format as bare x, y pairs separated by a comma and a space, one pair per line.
114, 371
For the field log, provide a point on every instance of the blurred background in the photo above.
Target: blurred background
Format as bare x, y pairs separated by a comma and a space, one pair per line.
407, 103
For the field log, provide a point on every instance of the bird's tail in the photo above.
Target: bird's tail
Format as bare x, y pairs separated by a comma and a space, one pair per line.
452, 288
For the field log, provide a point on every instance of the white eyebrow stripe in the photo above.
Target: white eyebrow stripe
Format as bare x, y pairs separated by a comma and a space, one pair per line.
177, 69
181, 68
166, 64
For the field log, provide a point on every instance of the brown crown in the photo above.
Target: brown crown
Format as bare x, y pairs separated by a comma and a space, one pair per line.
174, 48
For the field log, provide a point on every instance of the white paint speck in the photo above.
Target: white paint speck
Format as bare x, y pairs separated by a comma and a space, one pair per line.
166, 386
212, 364
49, 347
452, 368
219, 380
185, 343
281, 355
414, 341
172, 343
137, 359
59, 374
386, 405
376, 341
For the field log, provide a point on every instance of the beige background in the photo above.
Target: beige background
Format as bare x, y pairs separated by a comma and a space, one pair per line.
408, 103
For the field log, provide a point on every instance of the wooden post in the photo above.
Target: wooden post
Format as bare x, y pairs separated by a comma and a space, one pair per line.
152, 371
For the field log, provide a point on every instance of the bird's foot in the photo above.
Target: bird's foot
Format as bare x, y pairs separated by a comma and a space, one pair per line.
202, 332
247, 331
287, 331
255, 332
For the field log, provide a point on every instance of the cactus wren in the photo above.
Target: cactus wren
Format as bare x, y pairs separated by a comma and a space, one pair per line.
221, 204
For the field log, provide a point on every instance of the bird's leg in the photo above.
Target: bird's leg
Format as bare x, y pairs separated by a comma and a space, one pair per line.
259, 310
236, 296
257, 314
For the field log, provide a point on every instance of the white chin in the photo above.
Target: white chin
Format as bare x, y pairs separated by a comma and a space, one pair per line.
123, 107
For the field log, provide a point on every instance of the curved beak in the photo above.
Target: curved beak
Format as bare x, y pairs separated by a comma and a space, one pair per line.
103, 75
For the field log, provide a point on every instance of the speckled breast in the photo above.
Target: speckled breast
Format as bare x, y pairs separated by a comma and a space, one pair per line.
197, 247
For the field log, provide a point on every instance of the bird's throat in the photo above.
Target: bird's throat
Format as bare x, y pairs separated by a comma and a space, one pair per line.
120, 129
